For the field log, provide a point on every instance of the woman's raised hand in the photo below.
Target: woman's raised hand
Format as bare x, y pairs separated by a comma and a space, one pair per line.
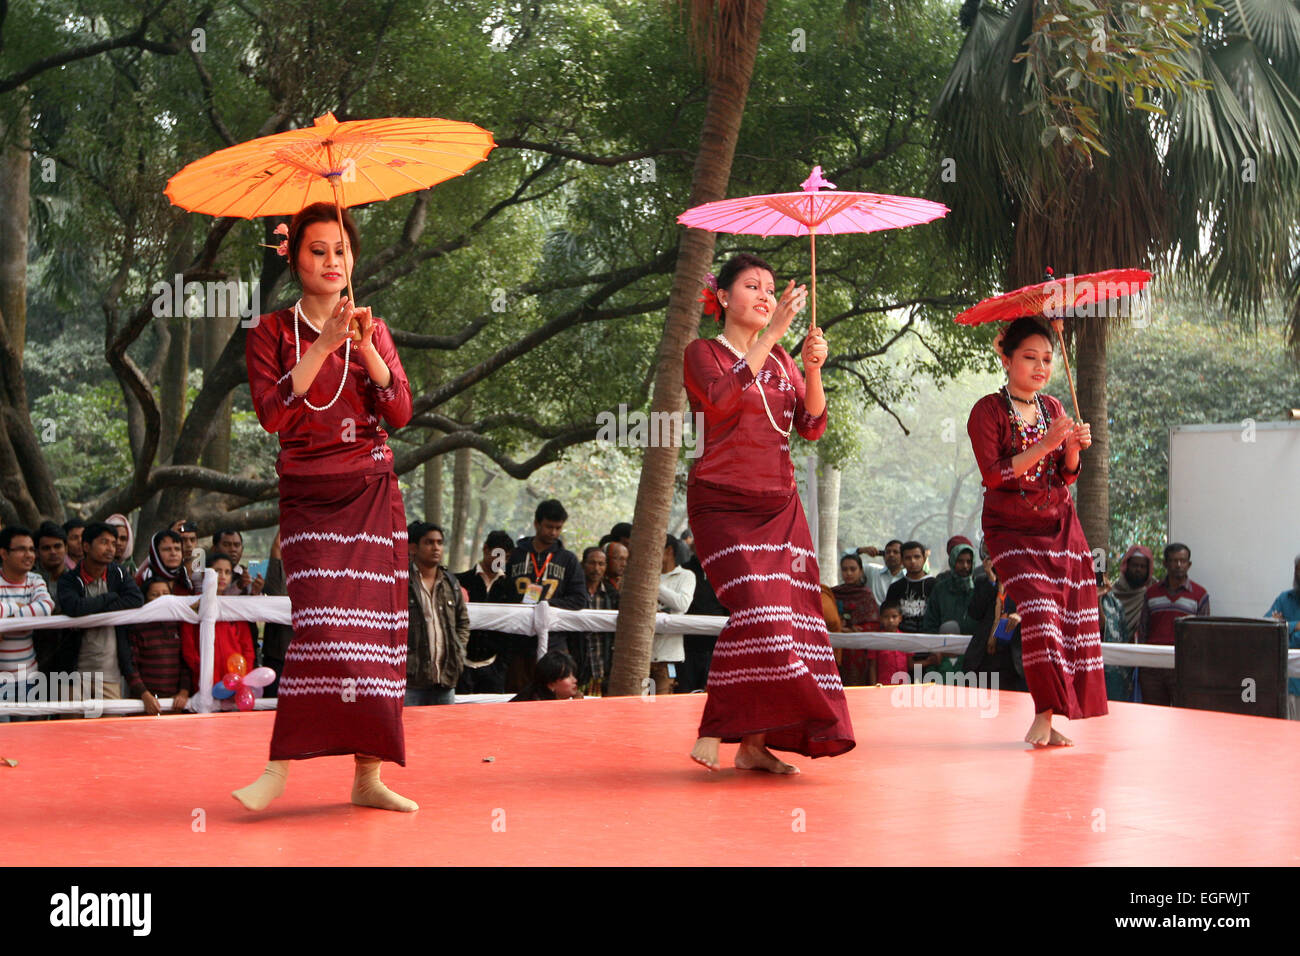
792, 301
337, 328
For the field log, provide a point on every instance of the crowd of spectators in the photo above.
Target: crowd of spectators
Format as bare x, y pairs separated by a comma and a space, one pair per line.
80, 568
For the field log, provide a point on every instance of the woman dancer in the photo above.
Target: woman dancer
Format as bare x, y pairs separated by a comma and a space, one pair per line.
323, 388
1028, 449
772, 682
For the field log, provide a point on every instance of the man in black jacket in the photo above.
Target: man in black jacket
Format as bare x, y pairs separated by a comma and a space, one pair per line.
488, 652
96, 585
542, 569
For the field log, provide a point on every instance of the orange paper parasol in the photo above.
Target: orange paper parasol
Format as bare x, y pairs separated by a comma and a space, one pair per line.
348, 164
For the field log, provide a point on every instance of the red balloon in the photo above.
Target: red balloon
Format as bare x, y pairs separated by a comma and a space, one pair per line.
236, 664
232, 681
245, 699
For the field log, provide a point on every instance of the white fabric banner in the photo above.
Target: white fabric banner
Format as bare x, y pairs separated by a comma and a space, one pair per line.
537, 620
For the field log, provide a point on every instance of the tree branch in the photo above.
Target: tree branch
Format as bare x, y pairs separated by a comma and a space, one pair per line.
866, 386
136, 38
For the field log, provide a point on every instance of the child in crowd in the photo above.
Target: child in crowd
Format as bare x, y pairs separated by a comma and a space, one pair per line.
160, 668
885, 664
233, 637
554, 678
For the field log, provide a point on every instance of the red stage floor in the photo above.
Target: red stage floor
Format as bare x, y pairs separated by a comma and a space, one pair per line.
609, 782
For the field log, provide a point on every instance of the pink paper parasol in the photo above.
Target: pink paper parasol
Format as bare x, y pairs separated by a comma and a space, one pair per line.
810, 213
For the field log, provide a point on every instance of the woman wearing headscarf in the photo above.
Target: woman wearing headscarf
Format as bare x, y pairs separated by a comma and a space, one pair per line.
948, 606
1121, 614
165, 563
858, 612
125, 545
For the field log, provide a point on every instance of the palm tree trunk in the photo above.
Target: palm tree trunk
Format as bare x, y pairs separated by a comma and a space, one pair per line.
739, 24
1094, 474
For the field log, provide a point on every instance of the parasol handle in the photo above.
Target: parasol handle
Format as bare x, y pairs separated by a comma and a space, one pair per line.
1059, 326
338, 209
812, 234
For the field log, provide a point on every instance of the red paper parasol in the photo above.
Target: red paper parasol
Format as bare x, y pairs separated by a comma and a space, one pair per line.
1075, 296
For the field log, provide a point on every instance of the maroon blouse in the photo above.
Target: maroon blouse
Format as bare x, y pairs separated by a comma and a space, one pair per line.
742, 450
345, 438
994, 442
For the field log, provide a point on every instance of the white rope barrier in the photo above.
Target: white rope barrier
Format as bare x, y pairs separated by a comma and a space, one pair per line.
537, 620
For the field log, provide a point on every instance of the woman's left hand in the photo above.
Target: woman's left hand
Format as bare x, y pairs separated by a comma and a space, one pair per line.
365, 328
1080, 437
814, 349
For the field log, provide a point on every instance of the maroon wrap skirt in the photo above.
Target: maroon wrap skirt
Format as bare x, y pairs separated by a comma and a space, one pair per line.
1043, 561
773, 670
343, 543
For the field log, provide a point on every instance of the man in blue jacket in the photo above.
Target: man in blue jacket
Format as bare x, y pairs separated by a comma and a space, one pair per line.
1286, 607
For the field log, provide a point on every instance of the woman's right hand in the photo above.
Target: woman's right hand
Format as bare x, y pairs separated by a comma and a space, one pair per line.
1057, 432
792, 301
336, 329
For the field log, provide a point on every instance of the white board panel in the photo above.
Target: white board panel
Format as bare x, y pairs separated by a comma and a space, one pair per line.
1234, 499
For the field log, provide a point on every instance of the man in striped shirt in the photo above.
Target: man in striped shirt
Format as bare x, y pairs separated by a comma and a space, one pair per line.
1167, 600
22, 594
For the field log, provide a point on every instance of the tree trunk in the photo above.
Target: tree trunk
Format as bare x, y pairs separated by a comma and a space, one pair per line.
480, 523
15, 192
731, 65
217, 330
828, 523
1094, 472
459, 506
433, 490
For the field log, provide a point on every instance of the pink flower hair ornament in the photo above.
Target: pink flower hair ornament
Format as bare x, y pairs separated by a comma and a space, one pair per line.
283, 248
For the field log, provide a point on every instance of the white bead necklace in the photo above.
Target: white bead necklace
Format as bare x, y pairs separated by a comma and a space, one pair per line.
783, 432
297, 352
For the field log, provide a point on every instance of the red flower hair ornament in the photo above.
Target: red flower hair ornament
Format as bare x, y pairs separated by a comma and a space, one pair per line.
709, 296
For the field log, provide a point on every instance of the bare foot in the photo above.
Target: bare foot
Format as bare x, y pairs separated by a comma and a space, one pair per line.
760, 758
1040, 731
1060, 740
705, 752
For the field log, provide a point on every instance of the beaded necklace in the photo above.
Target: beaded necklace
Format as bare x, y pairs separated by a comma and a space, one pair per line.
297, 352
1027, 435
783, 432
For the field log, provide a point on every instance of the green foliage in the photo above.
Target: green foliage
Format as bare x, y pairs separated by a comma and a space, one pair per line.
1183, 369
89, 452
844, 87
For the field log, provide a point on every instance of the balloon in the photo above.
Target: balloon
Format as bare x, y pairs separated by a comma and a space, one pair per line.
259, 677
220, 691
245, 698
231, 681
236, 664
